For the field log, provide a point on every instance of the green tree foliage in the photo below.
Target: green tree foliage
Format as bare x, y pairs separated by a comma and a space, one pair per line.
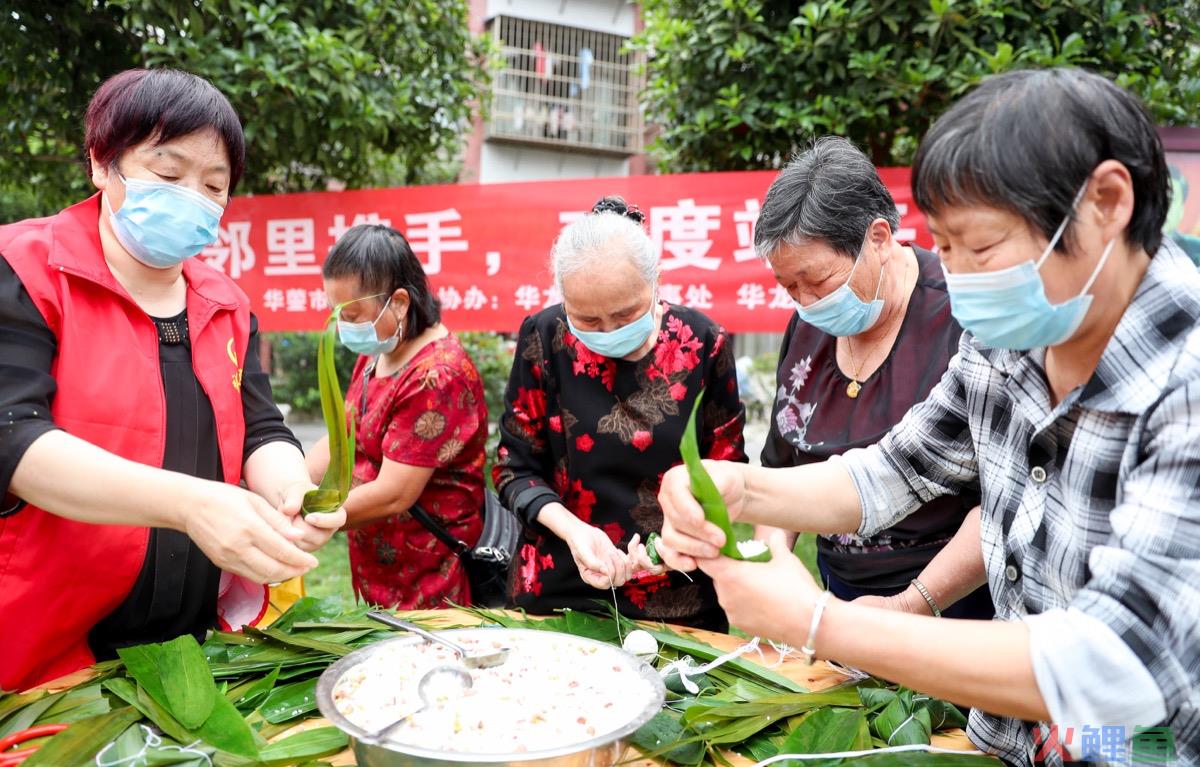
740, 84
369, 93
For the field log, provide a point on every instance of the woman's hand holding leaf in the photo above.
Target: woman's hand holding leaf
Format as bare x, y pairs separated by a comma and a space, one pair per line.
640, 562
315, 529
771, 599
601, 564
686, 534
242, 533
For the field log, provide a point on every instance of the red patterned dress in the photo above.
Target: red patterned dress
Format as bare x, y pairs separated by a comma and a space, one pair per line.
432, 414
597, 434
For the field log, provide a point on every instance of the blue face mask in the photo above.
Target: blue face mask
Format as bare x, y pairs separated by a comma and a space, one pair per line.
620, 342
162, 225
1008, 309
842, 313
361, 337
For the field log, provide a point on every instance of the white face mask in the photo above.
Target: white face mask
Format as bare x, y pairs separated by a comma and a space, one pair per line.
1008, 308
362, 338
842, 312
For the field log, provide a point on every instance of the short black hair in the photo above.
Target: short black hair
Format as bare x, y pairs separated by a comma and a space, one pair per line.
160, 104
380, 259
1025, 141
830, 192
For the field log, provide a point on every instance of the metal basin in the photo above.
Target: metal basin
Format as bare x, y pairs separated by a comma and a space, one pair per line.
604, 750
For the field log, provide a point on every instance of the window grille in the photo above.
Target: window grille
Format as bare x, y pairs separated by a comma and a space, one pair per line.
566, 87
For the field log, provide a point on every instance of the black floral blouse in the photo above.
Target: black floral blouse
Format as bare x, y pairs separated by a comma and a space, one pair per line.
597, 434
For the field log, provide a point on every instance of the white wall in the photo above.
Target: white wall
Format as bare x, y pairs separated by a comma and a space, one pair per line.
509, 162
613, 16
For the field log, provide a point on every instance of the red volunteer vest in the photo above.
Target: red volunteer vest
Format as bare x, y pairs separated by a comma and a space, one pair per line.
58, 577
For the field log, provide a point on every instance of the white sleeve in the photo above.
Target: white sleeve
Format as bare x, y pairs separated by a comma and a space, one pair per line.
1089, 677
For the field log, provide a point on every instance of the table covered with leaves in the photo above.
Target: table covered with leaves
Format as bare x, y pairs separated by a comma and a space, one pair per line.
248, 700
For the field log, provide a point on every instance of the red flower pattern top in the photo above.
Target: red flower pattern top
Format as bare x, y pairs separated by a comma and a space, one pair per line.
597, 434
430, 414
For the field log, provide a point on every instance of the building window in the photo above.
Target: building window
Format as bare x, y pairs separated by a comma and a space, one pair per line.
566, 87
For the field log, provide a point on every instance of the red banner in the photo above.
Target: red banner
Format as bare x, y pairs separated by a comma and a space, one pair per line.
485, 247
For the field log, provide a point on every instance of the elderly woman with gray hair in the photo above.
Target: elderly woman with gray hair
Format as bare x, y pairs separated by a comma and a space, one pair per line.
871, 335
598, 398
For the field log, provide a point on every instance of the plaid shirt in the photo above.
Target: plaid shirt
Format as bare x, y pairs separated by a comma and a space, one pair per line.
1093, 504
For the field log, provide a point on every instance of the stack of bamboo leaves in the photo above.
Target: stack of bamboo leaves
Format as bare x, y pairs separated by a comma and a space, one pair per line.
223, 704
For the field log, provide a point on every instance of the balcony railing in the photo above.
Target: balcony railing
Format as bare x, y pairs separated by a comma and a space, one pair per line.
564, 87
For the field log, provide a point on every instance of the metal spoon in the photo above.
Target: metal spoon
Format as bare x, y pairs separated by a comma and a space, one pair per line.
444, 678
481, 660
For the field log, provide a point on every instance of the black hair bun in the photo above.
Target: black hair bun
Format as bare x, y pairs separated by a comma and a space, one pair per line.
616, 204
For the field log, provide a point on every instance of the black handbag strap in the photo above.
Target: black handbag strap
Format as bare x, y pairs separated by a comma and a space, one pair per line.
442, 534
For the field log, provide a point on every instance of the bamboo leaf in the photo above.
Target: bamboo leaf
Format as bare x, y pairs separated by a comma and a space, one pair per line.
74, 699
914, 759
703, 651
335, 484
290, 701
187, 681
875, 698
310, 744
312, 610
760, 747
295, 672
705, 490
85, 707
828, 730
776, 707
26, 717
343, 625
737, 730
161, 717
257, 692
227, 730
942, 715
122, 688
131, 749
78, 745
336, 649
901, 723
12, 702
142, 663
662, 731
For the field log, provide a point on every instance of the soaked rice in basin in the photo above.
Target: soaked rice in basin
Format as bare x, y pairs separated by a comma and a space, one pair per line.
553, 691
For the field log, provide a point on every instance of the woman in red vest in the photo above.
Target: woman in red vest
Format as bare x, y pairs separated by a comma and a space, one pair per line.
132, 403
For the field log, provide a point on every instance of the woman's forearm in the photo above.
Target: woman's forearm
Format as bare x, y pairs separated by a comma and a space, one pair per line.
815, 498
983, 664
394, 491
958, 568
317, 460
273, 468
75, 479
558, 519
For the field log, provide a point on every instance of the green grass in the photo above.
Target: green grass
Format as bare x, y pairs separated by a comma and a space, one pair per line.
331, 578
806, 550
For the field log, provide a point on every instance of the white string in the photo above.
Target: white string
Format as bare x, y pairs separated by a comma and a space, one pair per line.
152, 741
616, 612
785, 651
852, 754
847, 671
685, 668
901, 727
